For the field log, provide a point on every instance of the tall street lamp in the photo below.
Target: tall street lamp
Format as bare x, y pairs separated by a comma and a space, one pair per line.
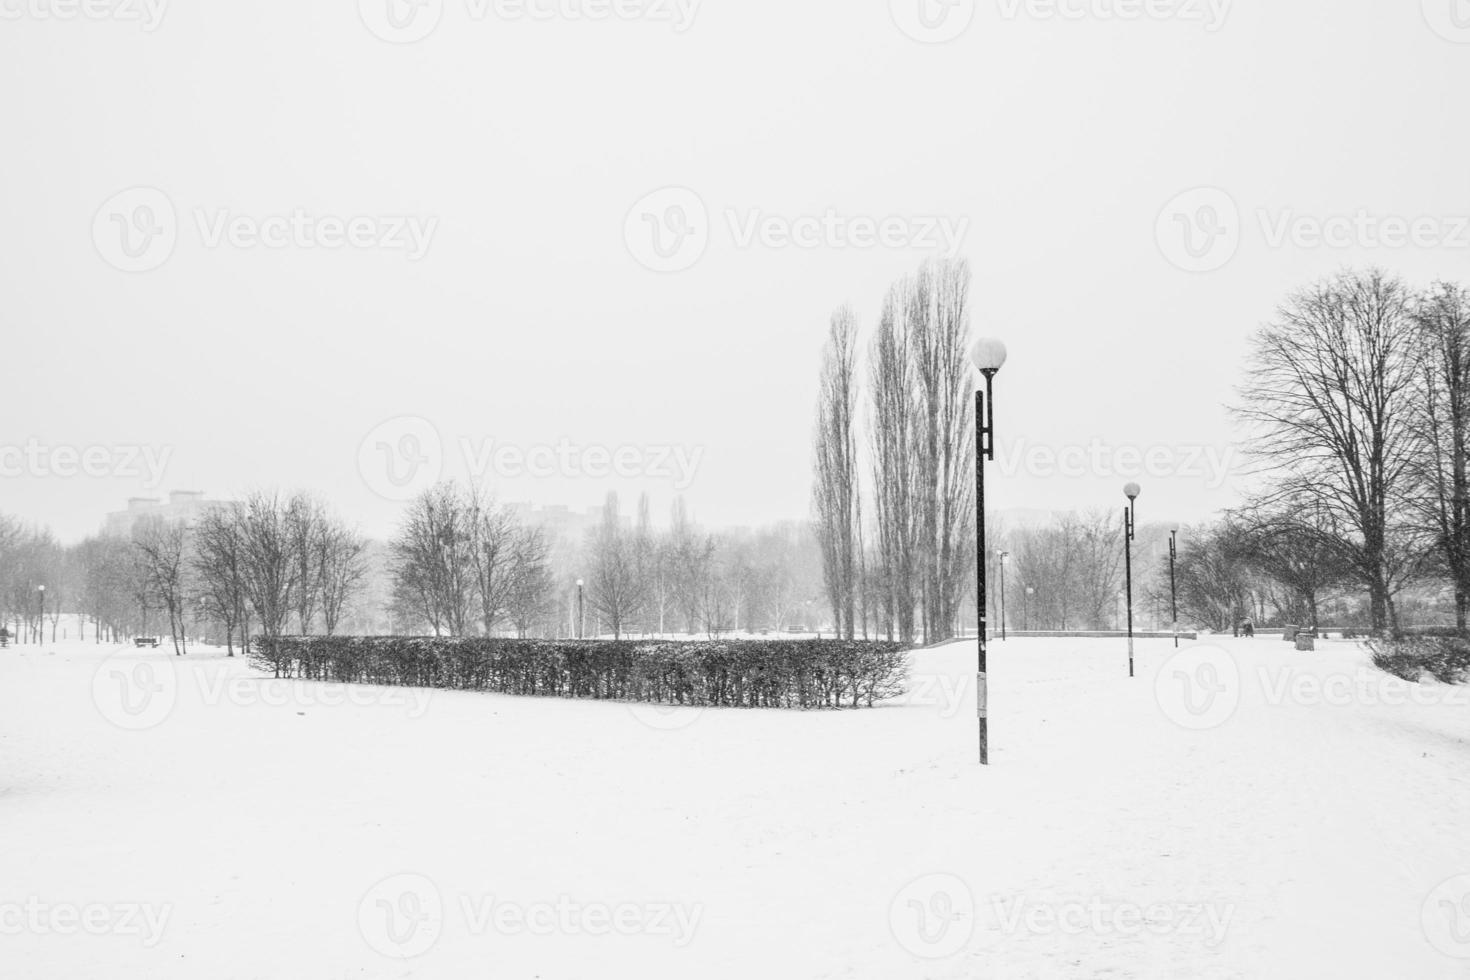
581, 613
41, 636
1005, 559
1173, 590
989, 356
1025, 609
1131, 491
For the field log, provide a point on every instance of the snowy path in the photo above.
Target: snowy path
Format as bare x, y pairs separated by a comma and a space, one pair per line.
1224, 814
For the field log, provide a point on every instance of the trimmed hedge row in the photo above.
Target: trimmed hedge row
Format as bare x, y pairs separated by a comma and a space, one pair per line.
736, 673
1446, 658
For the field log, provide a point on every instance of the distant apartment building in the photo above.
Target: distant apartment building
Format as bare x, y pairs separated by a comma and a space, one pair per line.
181, 505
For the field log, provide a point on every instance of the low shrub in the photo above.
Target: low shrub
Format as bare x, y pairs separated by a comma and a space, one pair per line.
1446, 658
734, 673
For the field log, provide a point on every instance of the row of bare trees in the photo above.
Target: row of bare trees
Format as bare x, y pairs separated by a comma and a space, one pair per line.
265, 565
648, 580
921, 461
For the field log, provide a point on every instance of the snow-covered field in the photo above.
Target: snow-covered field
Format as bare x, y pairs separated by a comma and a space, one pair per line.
1241, 811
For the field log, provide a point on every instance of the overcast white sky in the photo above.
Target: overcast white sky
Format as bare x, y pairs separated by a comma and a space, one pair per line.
522, 148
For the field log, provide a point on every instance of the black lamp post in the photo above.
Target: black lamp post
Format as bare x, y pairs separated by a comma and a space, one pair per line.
1131, 491
989, 356
1005, 559
41, 626
1173, 591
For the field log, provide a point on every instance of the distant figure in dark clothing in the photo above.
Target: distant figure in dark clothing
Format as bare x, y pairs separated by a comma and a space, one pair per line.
1248, 628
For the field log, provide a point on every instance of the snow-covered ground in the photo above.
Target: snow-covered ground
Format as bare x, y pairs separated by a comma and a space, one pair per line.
1241, 810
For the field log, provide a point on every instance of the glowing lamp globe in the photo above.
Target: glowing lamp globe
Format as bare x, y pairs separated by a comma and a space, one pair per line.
988, 354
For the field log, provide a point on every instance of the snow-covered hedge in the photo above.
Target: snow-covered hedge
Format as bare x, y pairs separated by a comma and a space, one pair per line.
737, 673
1445, 657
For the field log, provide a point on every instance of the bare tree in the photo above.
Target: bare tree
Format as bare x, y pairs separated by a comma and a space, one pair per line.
939, 314
161, 549
615, 585
835, 489
433, 560
341, 564
895, 471
1441, 424
268, 563
218, 563
1329, 402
